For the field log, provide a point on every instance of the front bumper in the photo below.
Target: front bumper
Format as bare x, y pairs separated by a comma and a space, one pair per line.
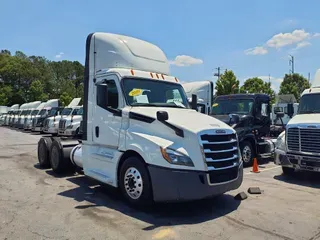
51, 130
67, 132
174, 185
299, 162
36, 129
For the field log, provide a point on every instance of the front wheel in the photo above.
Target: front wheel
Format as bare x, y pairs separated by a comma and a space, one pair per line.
135, 183
247, 153
287, 170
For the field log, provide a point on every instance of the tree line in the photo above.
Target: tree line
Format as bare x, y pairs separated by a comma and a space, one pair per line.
291, 84
33, 78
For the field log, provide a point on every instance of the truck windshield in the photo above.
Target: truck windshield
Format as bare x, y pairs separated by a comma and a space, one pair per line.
235, 106
43, 112
77, 111
155, 93
66, 111
34, 112
309, 104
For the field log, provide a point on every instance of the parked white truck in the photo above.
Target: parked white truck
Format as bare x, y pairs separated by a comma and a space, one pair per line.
139, 133
51, 124
298, 148
70, 125
10, 114
28, 119
49, 109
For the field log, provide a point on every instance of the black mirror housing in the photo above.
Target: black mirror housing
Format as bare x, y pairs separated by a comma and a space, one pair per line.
194, 102
290, 110
162, 116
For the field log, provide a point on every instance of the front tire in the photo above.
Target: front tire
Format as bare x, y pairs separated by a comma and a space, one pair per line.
288, 171
247, 153
135, 183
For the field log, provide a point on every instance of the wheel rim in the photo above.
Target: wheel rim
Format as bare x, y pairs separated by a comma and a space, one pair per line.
133, 183
42, 153
54, 157
246, 154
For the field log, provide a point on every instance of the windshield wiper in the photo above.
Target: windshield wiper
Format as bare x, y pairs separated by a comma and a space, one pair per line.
155, 105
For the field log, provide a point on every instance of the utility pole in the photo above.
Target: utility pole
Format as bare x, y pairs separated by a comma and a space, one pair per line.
291, 63
218, 73
309, 77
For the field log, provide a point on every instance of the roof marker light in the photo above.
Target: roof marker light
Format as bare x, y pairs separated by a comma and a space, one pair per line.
151, 74
176, 79
162, 76
132, 72
157, 75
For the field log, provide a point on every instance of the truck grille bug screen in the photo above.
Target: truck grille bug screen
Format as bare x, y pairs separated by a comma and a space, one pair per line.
304, 140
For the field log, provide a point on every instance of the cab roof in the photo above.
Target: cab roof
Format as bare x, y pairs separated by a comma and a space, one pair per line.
244, 96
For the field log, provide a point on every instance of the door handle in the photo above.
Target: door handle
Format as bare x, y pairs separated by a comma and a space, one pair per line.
97, 131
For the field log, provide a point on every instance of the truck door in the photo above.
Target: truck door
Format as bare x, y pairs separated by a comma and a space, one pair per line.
106, 124
262, 116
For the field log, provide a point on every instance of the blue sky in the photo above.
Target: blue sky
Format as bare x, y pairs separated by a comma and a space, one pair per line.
252, 38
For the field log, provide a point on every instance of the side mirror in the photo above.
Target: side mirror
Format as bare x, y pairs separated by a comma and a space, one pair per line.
102, 95
290, 110
162, 116
194, 102
234, 118
280, 114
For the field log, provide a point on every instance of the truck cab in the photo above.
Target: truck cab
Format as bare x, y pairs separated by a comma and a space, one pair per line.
140, 133
298, 148
70, 125
49, 109
51, 124
249, 115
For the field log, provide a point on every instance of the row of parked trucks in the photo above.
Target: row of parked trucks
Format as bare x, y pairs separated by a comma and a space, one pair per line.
46, 117
155, 139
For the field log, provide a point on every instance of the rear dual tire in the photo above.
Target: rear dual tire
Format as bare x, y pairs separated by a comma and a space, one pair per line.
60, 163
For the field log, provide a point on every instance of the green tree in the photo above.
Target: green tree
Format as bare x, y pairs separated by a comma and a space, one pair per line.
257, 85
36, 92
5, 95
294, 84
65, 99
227, 84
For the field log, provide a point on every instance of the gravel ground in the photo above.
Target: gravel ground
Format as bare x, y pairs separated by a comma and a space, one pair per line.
36, 204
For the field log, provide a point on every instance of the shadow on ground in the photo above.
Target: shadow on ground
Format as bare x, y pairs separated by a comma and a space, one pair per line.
169, 214
303, 178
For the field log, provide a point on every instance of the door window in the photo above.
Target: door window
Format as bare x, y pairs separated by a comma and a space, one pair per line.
107, 95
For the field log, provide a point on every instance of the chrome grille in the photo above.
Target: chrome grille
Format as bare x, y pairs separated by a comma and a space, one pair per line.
46, 123
62, 124
34, 122
304, 140
221, 151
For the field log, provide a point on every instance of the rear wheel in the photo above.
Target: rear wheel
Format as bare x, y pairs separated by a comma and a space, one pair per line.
135, 183
287, 170
44, 152
247, 153
60, 163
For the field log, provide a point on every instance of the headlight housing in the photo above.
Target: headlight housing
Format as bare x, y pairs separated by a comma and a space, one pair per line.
281, 141
175, 157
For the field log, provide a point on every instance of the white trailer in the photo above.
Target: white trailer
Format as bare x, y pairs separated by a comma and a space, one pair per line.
139, 132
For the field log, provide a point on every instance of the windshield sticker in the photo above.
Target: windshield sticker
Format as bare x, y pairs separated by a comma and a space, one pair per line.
135, 92
215, 104
142, 99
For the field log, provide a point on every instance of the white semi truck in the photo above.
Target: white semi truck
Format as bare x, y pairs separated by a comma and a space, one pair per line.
51, 124
139, 132
49, 109
10, 114
70, 125
26, 113
28, 120
298, 148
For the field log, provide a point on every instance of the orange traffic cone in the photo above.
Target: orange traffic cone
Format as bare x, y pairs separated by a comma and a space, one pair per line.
255, 167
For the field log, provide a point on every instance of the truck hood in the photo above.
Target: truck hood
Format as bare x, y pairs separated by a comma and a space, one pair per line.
75, 118
305, 118
226, 118
57, 118
187, 119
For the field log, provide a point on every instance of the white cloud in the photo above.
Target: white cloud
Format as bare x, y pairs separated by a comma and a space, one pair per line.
316, 35
303, 44
284, 39
184, 60
59, 55
256, 51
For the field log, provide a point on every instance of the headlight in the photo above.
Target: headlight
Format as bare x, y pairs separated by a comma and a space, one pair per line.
176, 158
281, 141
